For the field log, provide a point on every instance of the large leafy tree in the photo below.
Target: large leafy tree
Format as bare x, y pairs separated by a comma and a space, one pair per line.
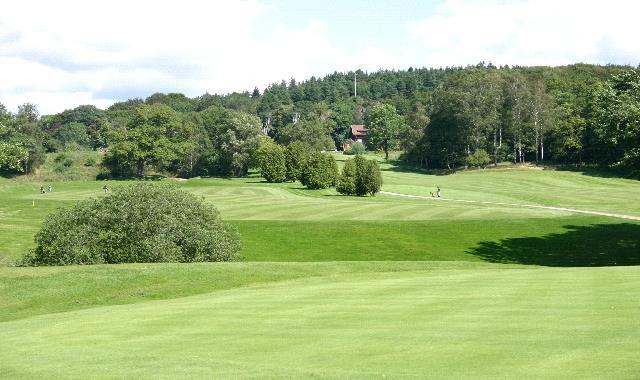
22, 133
480, 93
156, 136
313, 133
93, 119
541, 116
617, 120
412, 137
178, 102
12, 157
384, 126
235, 138
73, 135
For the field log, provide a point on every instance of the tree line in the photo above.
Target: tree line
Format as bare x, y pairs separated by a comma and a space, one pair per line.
439, 118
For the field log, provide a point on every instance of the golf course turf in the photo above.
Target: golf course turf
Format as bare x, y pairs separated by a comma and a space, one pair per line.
345, 287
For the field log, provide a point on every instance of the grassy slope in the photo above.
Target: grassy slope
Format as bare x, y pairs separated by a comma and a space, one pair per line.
462, 323
25, 292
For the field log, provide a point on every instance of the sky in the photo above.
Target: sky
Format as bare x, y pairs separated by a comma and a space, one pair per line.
61, 54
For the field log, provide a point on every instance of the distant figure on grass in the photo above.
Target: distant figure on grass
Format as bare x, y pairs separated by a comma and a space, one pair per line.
50, 188
42, 190
105, 188
438, 192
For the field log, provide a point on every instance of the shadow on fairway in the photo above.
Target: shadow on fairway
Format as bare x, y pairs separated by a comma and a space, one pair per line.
580, 246
596, 171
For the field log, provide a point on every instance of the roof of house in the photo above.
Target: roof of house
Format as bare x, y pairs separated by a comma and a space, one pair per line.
358, 130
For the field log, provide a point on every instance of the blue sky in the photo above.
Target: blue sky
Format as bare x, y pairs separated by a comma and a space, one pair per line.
69, 52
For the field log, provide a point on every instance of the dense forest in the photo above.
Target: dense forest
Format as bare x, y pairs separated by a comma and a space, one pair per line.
439, 118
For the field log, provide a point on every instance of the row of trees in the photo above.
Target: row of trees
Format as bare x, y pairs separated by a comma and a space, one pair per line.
317, 170
136, 136
532, 115
439, 118
215, 141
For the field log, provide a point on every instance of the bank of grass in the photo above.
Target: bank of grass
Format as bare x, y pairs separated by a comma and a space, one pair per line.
72, 165
26, 292
355, 320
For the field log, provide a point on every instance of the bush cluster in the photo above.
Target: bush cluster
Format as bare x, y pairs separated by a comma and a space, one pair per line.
316, 170
138, 223
295, 158
360, 177
319, 171
356, 148
62, 163
271, 158
479, 158
279, 164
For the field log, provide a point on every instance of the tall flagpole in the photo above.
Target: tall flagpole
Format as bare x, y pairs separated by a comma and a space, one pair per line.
355, 84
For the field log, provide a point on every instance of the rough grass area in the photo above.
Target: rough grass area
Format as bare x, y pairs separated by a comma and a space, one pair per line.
440, 323
70, 165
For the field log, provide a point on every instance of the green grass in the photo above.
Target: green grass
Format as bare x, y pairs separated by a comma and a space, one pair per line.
567, 241
344, 287
85, 165
26, 292
442, 323
436, 223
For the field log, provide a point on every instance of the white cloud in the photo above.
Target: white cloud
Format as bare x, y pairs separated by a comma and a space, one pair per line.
58, 54
529, 32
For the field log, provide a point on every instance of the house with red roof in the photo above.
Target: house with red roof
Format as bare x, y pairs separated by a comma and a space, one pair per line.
358, 132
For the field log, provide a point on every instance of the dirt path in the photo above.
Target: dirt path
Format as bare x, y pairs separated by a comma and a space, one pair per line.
573, 210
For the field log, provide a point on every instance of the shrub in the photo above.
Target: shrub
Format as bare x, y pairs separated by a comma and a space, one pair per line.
63, 160
271, 158
347, 181
360, 177
90, 161
62, 163
368, 177
320, 171
356, 148
479, 158
138, 223
295, 158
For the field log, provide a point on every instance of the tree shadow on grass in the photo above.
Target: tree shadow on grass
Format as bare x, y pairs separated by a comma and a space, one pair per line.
400, 166
581, 246
595, 171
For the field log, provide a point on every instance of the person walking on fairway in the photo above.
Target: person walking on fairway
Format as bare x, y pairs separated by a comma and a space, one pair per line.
42, 190
438, 192
50, 188
105, 188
